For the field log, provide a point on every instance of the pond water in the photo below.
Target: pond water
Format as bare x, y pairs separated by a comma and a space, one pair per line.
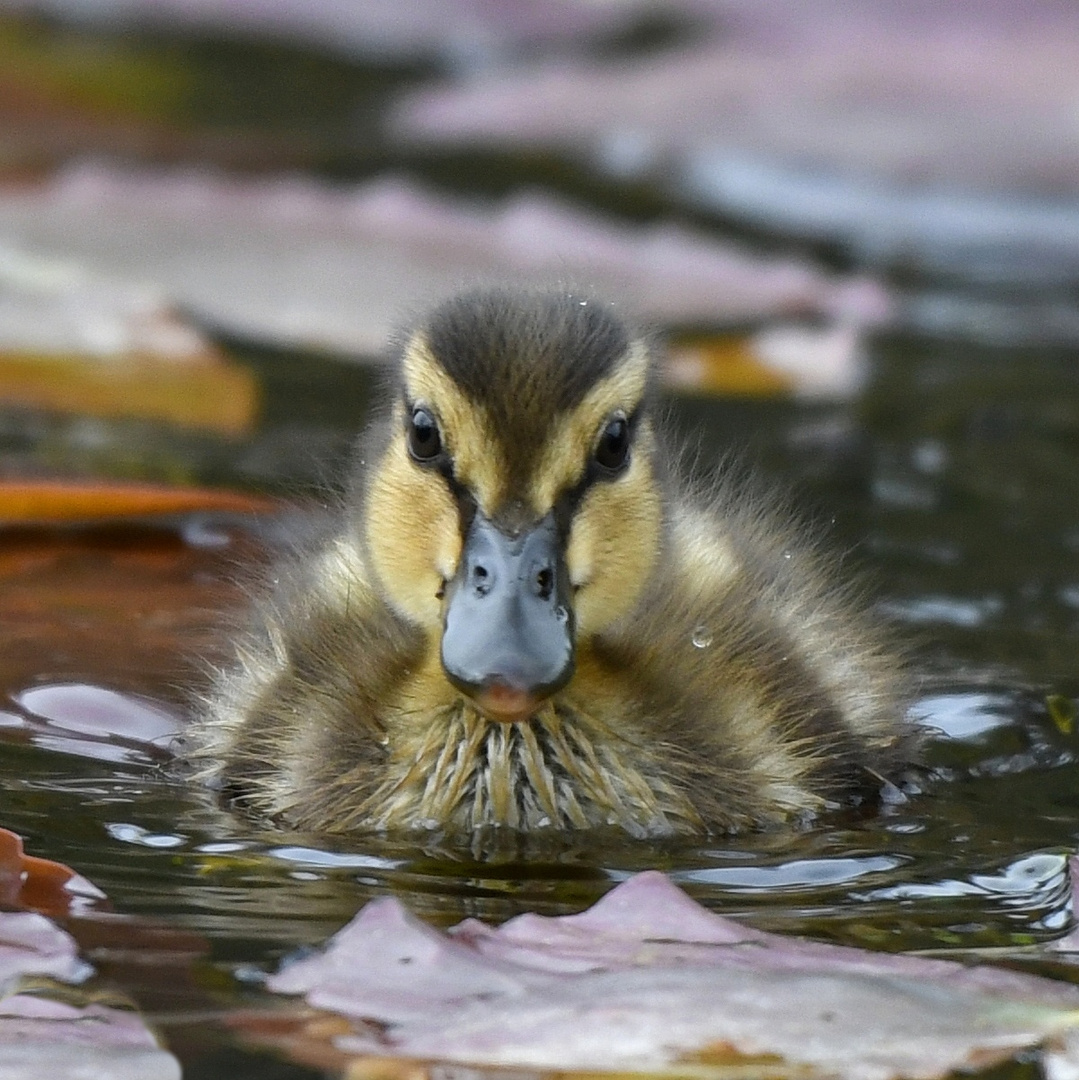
950, 486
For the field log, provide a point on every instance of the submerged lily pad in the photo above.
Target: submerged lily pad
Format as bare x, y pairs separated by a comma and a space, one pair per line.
647, 980
125, 607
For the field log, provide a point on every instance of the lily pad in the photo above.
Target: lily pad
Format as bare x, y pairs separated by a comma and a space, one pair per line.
43, 1037
930, 134
42, 1034
86, 343
298, 262
649, 981
31, 945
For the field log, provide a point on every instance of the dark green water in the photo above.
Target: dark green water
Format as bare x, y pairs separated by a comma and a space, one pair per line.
950, 486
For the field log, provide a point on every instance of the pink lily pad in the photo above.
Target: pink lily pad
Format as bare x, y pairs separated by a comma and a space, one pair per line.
913, 132
647, 979
95, 722
31, 945
42, 1037
298, 262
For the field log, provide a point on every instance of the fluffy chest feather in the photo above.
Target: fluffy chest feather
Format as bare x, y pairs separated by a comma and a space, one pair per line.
556, 770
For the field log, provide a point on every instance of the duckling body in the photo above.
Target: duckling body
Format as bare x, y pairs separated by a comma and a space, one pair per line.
522, 620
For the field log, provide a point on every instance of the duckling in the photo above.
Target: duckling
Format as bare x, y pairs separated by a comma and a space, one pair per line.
523, 618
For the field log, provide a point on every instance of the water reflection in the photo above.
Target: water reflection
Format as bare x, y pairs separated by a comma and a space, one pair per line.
94, 722
964, 715
951, 610
1034, 888
306, 856
793, 875
135, 834
979, 576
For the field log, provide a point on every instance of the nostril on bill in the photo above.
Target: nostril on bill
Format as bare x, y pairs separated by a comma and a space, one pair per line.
481, 580
545, 583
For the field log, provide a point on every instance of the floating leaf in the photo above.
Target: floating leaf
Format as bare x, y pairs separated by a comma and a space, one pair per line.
42, 1037
648, 981
299, 262
722, 365
37, 501
215, 397
29, 943
39, 884
97, 345
769, 119
806, 361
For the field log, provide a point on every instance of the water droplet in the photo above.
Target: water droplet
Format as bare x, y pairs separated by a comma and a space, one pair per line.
702, 637
786, 554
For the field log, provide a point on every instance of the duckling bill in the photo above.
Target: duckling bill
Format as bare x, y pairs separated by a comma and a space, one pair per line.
525, 619
507, 632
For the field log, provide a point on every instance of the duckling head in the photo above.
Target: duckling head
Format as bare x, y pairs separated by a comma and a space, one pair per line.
514, 511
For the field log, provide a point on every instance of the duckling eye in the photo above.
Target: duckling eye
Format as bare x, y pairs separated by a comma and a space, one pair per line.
612, 451
424, 441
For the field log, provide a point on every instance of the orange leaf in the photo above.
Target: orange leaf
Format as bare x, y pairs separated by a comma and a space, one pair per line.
39, 884
33, 501
56, 500
727, 366
199, 393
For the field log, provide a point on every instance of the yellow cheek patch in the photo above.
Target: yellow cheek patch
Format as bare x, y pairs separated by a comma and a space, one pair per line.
413, 528
465, 427
413, 534
613, 545
573, 436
